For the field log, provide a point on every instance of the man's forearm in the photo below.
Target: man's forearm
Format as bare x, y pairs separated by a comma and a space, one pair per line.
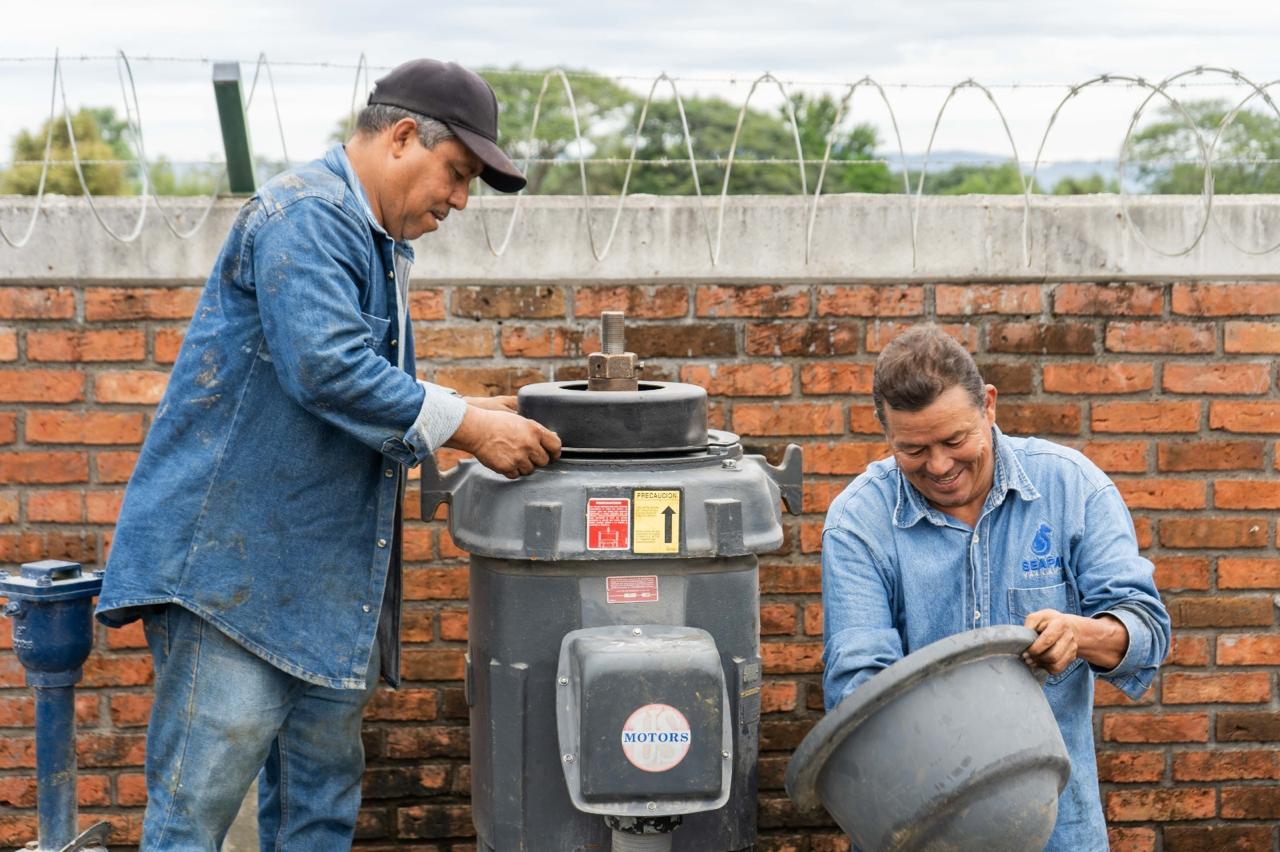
1101, 641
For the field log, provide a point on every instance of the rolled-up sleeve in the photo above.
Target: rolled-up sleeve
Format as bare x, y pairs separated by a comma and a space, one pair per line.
1115, 579
306, 269
860, 638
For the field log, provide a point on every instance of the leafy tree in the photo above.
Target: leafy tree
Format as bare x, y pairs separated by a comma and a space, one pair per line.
1094, 184
1254, 135
99, 136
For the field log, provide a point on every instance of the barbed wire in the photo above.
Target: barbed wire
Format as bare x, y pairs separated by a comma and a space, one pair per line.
844, 112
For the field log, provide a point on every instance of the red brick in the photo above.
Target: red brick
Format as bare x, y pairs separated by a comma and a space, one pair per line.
131, 636
1162, 493
141, 387
1220, 300
8, 507
1131, 839
1213, 532
427, 304
779, 697
1181, 573
1220, 611
862, 420
790, 579
1155, 727
1235, 378
58, 507
1186, 455
1016, 378
1245, 416
1163, 805
812, 339
819, 493
1223, 765
105, 345
1130, 767
117, 303
117, 670
969, 299
453, 625
1034, 418
813, 619
1082, 377
847, 458
758, 419
1217, 838
867, 300
791, 657
167, 344
1259, 802
777, 619
49, 468
107, 750
1117, 456
1234, 688
103, 507
44, 386
1244, 649
1261, 338
130, 709
1246, 494
435, 584
1180, 337
83, 427
453, 341
32, 546
502, 302
403, 705
1106, 695
660, 302
1037, 338
488, 381
1248, 573
433, 664
546, 342
692, 340
114, 465
835, 378
764, 300
881, 332
37, 303
1109, 299
811, 536
1146, 416
739, 379
1247, 726
1188, 651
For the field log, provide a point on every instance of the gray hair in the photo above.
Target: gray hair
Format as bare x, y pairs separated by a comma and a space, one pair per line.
376, 118
918, 367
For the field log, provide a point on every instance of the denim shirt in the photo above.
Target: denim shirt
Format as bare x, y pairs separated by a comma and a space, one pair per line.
1053, 533
266, 496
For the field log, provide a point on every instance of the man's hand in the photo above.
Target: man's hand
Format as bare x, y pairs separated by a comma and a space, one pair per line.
504, 441
1063, 637
492, 403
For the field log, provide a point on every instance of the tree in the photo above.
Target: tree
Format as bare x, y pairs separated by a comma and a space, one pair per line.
99, 137
1254, 135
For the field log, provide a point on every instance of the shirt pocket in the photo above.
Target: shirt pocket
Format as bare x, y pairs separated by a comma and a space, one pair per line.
1024, 601
378, 328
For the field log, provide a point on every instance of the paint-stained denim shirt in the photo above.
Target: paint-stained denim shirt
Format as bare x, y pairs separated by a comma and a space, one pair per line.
265, 497
1054, 533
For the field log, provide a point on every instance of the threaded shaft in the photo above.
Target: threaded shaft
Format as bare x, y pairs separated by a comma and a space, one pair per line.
612, 332
623, 842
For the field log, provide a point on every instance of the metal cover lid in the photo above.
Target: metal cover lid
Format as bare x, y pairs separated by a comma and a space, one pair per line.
658, 417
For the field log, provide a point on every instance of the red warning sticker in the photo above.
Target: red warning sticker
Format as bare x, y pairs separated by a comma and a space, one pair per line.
642, 589
608, 523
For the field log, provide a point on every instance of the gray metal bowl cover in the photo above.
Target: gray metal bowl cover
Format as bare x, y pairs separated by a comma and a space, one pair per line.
953, 747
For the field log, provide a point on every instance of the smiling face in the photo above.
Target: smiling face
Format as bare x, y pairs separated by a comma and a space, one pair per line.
945, 450
420, 185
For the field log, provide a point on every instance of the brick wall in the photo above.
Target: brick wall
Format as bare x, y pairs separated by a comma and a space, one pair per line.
1171, 388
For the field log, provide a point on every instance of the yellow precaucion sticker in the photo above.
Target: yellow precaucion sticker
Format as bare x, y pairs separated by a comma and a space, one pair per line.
656, 528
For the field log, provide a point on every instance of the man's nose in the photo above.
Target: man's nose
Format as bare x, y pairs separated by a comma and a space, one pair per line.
458, 200
938, 462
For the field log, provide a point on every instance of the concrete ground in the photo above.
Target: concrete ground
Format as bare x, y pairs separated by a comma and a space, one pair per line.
243, 836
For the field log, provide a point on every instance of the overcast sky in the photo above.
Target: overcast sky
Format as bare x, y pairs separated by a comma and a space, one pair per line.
924, 42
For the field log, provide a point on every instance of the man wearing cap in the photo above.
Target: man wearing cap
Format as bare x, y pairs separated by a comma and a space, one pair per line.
259, 540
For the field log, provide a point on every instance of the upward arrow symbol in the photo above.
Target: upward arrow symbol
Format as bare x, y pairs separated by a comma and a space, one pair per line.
667, 515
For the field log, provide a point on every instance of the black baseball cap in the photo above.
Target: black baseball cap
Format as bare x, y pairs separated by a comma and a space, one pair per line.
459, 99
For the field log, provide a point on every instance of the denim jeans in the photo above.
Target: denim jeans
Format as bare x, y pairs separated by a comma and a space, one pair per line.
223, 716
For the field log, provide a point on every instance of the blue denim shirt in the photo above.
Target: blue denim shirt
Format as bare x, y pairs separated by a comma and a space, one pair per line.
898, 574
267, 492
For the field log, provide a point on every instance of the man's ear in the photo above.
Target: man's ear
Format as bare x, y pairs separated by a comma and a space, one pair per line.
990, 406
403, 132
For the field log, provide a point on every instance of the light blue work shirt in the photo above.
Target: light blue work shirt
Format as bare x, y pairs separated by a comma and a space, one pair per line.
267, 493
1053, 533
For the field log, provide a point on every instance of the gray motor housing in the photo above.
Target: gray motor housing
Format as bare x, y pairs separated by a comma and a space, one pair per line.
608, 676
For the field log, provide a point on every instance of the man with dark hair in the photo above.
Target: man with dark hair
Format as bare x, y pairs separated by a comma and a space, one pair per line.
259, 540
965, 527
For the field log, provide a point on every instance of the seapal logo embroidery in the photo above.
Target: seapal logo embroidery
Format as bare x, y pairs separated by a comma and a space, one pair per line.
1043, 563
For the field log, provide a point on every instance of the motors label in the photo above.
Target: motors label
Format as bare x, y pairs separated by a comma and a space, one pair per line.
656, 737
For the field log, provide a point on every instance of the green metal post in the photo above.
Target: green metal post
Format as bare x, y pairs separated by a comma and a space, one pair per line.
235, 127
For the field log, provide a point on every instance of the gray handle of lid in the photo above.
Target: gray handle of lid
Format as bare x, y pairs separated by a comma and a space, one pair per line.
789, 477
440, 487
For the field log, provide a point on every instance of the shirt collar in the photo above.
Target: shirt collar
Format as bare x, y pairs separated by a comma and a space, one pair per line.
1009, 475
339, 161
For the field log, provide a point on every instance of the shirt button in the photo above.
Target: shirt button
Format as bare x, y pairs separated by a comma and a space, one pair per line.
366, 608
391, 273
382, 542
388, 473
977, 616
394, 341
